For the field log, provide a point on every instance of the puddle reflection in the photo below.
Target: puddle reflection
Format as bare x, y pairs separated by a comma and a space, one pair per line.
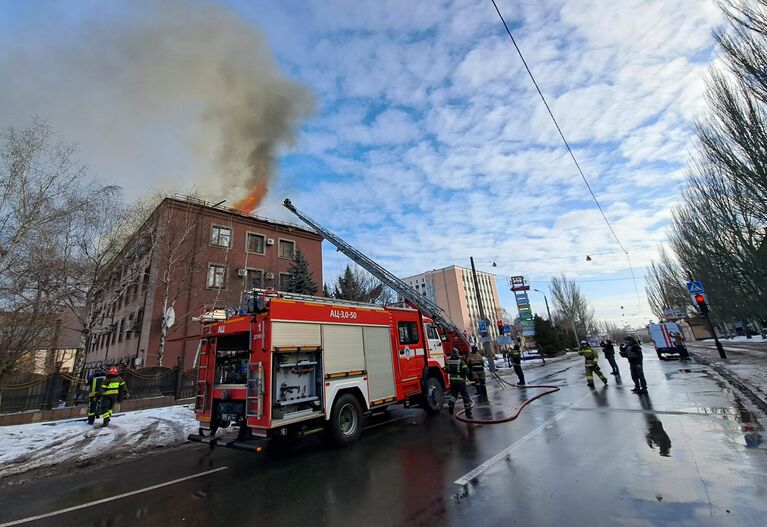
656, 435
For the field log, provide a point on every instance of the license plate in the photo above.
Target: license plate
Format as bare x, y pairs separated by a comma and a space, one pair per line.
230, 417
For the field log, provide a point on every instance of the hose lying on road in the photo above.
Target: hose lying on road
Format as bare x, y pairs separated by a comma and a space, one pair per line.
550, 388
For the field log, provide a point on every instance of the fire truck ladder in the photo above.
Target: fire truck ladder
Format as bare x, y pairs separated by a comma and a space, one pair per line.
407, 292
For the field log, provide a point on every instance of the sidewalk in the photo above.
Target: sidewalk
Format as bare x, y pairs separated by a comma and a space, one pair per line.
746, 368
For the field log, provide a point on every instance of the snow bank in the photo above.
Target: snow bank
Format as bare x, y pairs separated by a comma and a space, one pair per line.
24, 447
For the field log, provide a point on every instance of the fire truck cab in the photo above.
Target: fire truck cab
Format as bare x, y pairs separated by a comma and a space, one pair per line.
294, 365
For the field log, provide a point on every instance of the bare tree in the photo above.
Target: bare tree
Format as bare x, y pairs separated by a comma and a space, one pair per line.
43, 189
718, 230
571, 306
665, 285
97, 266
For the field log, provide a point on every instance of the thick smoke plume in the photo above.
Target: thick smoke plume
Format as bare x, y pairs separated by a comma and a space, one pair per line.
166, 58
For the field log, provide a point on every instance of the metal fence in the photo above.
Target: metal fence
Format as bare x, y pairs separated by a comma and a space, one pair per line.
30, 391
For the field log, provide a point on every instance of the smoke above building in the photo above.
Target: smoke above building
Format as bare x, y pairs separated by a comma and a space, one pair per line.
148, 62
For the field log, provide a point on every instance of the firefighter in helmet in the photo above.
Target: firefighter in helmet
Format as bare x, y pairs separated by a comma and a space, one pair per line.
458, 372
477, 366
95, 380
113, 390
516, 359
591, 364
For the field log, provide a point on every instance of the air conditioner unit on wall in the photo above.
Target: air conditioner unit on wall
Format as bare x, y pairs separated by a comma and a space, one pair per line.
270, 241
242, 272
269, 276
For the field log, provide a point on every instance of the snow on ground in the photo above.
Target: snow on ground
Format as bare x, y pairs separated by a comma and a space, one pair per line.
24, 447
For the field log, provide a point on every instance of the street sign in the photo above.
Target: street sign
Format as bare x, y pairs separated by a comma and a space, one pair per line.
695, 287
505, 340
486, 340
507, 329
482, 326
672, 313
519, 283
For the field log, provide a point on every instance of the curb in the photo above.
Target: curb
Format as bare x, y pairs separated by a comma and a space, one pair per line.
734, 380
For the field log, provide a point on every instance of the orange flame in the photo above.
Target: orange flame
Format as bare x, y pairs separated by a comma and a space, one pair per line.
254, 197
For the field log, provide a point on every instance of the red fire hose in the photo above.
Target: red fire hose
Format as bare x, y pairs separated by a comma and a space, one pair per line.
549, 389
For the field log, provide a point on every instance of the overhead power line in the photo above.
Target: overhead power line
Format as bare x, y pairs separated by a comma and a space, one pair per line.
567, 145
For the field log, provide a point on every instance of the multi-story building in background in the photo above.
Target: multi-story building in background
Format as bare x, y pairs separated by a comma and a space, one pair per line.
452, 289
190, 255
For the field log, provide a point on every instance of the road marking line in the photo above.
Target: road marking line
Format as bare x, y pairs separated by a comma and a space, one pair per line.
463, 480
113, 498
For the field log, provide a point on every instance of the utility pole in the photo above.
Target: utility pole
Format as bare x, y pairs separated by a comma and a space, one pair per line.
575, 334
487, 346
546, 300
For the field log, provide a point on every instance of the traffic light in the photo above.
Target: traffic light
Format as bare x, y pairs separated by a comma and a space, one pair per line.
701, 301
500, 327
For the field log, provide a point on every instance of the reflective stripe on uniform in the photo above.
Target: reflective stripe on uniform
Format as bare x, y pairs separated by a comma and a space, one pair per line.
113, 388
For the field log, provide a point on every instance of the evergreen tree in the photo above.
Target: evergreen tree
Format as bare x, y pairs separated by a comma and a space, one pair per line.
550, 340
360, 286
300, 279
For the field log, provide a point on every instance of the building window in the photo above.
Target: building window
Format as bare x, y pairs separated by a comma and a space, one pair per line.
254, 279
408, 332
220, 236
254, 243
121, 332
216, 275
284, 281
287, 249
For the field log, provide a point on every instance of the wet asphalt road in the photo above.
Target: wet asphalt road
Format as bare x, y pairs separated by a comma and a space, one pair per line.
687, 454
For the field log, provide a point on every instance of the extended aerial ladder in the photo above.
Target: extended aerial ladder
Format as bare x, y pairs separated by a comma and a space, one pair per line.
407, 292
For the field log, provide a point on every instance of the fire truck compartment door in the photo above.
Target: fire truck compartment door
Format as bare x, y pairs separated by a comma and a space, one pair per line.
286, 334
342, 348
378, 361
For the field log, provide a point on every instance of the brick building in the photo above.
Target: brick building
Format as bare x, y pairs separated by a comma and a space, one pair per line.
189, 255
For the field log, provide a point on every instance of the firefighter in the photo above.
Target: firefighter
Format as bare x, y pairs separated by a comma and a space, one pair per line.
609, 350
633, 352
591, 364
458, 372
95, 380
516, 359
477, 365
113, 390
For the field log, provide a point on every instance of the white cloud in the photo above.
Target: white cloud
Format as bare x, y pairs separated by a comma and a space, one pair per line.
434, 146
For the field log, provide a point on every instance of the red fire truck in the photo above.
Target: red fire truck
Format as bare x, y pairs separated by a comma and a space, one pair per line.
294, 364
300, 364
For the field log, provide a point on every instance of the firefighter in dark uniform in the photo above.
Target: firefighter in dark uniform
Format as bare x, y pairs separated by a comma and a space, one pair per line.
592, 366
516, 359
113, 390
633, 352
477, 365
609, 351
458, 373
95, 381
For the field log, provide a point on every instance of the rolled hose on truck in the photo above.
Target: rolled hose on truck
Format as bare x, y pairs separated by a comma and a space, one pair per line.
550, 388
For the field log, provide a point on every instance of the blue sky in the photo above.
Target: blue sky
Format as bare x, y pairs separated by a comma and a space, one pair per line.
428, 143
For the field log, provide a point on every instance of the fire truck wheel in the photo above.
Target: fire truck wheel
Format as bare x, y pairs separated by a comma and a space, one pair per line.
345, 424
434, 397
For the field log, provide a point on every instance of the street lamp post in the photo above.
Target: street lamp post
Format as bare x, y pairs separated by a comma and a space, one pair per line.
488, 347
546, 300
